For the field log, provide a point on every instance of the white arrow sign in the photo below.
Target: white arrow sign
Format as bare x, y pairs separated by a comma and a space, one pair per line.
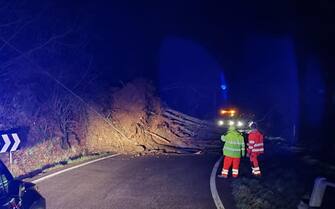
16, 143
7, 143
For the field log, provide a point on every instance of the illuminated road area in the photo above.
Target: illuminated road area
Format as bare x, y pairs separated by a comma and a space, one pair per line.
141, 182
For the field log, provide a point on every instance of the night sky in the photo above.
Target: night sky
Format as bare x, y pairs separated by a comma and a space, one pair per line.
275, 55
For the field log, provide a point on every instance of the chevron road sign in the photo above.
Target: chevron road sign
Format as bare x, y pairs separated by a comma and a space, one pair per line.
9, 142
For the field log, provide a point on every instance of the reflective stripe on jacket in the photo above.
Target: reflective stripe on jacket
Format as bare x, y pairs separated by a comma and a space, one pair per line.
234, 144
255, 142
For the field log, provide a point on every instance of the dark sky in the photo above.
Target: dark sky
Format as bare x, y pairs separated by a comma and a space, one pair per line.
128, 34
250, 40
264, 48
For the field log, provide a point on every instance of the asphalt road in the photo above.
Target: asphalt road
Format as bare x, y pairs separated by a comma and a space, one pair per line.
126, 182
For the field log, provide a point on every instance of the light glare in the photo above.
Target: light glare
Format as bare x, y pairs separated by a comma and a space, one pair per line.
240, 123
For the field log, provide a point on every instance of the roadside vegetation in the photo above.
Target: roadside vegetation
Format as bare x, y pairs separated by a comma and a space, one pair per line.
288, 177
130, 119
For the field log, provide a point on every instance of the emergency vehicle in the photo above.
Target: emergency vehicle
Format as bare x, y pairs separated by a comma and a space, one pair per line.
232, 117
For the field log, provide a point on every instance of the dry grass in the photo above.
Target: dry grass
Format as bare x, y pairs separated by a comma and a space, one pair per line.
43, 154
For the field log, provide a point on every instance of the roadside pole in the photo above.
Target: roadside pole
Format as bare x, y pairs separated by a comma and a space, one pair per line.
11, 161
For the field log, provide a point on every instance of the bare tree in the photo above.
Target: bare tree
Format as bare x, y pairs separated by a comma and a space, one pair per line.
32, 45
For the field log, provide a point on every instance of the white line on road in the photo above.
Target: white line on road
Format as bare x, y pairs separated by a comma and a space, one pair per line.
212, 183
74, 167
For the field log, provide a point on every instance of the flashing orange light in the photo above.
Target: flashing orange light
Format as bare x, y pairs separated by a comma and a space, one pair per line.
231, 112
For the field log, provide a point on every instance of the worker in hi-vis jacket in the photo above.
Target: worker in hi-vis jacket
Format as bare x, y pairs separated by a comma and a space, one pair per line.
233, 150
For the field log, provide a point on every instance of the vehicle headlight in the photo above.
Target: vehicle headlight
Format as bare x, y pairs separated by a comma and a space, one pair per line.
220, 123
231, 123
240, 123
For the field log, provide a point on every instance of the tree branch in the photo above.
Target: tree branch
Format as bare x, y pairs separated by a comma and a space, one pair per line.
29, 52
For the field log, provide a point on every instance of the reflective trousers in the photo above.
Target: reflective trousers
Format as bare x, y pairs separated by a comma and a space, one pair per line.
227, 163
254, 164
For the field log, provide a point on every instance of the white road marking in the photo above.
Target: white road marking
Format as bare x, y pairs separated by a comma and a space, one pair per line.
215, 195
74, 167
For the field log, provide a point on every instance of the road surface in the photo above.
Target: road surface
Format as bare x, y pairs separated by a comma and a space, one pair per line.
126, 182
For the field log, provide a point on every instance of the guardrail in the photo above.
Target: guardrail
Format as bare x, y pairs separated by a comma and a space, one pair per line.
319, 189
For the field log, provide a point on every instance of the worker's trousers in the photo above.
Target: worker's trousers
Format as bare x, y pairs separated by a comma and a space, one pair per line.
254, 164
227, 163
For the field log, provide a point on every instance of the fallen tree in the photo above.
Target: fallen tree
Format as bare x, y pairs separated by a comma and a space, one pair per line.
147, 125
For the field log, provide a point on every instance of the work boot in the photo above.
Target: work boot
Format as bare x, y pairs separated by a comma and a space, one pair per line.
222, 176
258, 176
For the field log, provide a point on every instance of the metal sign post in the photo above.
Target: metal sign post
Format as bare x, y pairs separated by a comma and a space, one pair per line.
11, 160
